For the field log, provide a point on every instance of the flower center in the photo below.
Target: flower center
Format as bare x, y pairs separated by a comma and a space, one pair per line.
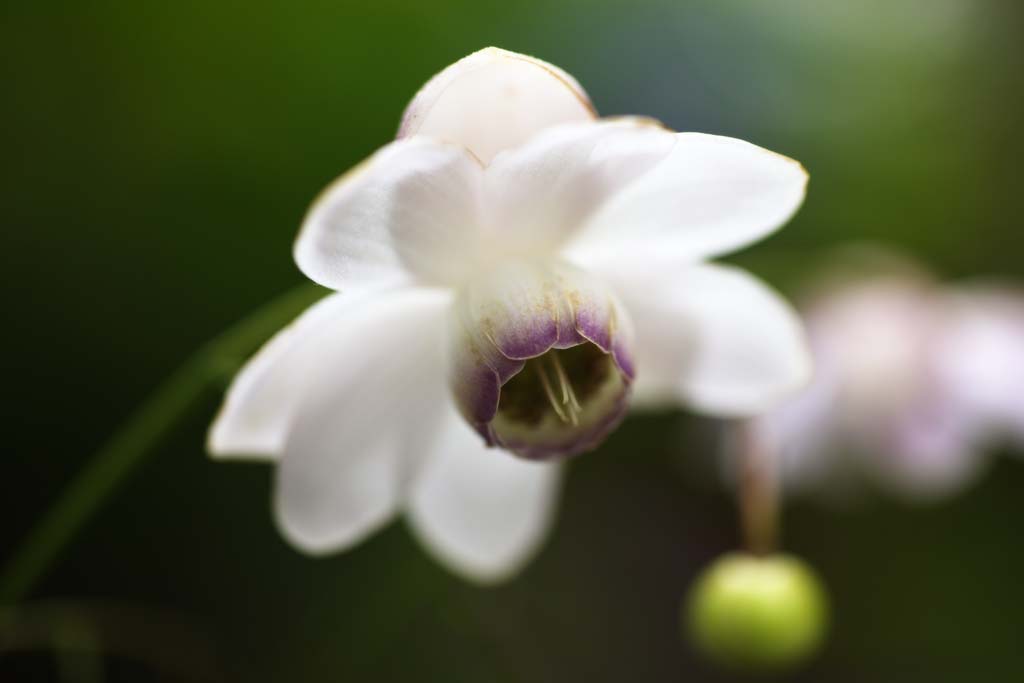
560, 403
556, 384
541, 363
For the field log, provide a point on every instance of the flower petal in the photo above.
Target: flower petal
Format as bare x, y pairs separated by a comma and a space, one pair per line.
257, 411
373, 396
395, 218
712, 337
493, 100
482, 512
542, 192
710, 195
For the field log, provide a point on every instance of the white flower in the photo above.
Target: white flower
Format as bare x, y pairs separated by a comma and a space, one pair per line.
507, 228
913, 384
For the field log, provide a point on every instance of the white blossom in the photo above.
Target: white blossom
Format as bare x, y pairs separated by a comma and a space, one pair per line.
509, 272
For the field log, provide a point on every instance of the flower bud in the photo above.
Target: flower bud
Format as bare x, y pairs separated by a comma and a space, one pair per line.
542, 364
753, 612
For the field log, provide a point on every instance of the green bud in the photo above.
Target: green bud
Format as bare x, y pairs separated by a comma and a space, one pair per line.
753, 612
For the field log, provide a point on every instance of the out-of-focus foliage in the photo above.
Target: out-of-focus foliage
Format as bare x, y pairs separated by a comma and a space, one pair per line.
158, 158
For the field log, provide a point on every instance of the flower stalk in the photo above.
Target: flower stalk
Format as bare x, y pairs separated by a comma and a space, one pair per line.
758, 494
208, 367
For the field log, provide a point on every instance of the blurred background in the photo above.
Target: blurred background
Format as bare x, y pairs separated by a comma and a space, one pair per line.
158, 158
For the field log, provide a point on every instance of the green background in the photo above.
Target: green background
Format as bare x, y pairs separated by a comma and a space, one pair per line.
158, 158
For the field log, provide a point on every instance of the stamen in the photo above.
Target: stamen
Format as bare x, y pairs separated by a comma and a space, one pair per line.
569, 400
559, 410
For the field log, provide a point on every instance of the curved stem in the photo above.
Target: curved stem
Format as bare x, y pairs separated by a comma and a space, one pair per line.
136, 437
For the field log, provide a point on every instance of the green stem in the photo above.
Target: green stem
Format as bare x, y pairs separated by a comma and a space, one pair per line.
128, 446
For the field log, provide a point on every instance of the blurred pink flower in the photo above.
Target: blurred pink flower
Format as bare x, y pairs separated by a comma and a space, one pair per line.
983, 359
914, 383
